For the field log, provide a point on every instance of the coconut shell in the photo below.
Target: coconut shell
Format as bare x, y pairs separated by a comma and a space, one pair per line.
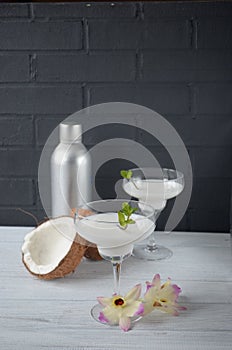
92, 251
67, 265
93, 254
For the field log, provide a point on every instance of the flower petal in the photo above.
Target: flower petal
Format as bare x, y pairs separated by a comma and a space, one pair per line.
102, 318
140, 310
177, 290
104, 301
156, 279
131, 309
124, 323
149, 285
148, 307
112, 314
134, 293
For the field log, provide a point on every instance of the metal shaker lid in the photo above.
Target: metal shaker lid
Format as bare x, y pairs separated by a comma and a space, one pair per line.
70, 132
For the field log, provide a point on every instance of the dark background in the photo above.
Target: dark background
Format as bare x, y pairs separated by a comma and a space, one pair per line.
173, 57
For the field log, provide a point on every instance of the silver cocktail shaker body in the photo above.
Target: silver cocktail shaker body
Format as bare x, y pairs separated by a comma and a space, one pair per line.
70, 171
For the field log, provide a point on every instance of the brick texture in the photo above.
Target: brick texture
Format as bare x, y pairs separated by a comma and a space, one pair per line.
18, 161
173, 57
215, 33
14, 10
44, 126
209, 220
161, 34
213, 161
214, 98
40, 99
16, 131
193, 131
87, 10
15, 68
85, 68
40, 36
163, 99
17, 192
188, 66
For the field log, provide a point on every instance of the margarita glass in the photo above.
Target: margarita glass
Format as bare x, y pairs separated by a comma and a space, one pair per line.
115, 243
154, 186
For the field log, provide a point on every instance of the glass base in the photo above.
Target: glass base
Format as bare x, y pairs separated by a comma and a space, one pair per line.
95, 312
157, 252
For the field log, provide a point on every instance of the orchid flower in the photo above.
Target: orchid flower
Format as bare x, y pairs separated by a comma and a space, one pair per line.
118, 310
162, 297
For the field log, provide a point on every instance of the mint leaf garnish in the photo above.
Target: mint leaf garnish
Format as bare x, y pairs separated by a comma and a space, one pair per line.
126, 174
121, 219
130, 221
124, 215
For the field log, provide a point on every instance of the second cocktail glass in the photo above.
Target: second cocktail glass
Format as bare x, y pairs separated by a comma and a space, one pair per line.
154, 186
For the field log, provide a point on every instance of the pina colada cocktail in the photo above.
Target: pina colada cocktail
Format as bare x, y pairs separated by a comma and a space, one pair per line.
114, 226
153, 186
153, 192
104, 230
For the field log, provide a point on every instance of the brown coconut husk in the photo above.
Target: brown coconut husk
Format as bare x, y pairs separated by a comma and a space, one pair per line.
91, 252
67, 265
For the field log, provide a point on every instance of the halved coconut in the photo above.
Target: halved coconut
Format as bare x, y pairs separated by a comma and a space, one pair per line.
53, 249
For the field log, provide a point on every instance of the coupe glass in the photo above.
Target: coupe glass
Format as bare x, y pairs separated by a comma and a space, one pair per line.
114, 242
154, 186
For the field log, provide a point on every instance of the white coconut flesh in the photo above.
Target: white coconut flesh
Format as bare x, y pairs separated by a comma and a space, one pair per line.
48, 244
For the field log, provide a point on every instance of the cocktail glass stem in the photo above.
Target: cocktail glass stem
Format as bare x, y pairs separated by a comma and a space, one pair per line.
117, 271
151, 245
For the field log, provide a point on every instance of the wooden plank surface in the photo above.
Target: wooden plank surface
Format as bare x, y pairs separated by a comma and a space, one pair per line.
37, 314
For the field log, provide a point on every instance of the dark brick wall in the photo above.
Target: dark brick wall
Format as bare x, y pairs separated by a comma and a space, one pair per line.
175, 57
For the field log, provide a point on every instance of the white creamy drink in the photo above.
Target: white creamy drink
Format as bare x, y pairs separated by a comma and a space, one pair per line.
153, 192
104, 230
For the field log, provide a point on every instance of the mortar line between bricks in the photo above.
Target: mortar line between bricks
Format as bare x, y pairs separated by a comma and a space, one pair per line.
196, 26
32, 84
14, 177
139, 65
193, 33
85, 35
79, 83
72, 51
9, 148
103, 50
18, 177
85, 96
46, 51
94, 83
193, 100
34, 193
32, 67
31, 11
140, 10
34, 132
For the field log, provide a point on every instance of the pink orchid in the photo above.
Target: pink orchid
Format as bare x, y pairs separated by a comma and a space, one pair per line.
162, 297
119, 310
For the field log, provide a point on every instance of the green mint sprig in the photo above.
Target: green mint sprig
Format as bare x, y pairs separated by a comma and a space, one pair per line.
124, 215
126, 174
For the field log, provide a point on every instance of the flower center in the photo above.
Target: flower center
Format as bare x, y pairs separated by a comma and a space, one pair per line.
159, 302
163, 300
156, 303
119, 302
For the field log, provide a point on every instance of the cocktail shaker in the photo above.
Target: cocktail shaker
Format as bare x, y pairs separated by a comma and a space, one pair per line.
70, 171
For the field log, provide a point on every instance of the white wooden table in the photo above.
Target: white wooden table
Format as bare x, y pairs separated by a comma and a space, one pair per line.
37, 314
